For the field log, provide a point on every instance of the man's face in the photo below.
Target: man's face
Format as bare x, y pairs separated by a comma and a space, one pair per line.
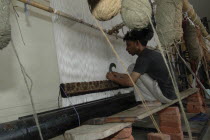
131, 47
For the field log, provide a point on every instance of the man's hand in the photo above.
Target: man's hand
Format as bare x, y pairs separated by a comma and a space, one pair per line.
111, 75
123, 79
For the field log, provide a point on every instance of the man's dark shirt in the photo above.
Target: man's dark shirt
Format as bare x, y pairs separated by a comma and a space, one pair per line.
152, 63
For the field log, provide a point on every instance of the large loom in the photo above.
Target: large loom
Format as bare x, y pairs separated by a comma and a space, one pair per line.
84, 59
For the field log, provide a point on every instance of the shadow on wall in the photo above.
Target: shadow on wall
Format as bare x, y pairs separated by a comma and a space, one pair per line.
8, 60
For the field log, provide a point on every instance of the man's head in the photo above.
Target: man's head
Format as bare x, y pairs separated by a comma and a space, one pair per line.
136, 40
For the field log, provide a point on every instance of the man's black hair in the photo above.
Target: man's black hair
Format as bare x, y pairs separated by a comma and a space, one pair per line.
143, 36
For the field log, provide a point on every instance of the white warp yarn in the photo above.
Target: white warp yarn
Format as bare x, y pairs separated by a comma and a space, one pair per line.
82, 52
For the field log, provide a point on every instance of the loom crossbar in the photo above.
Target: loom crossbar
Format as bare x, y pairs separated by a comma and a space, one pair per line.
79, 88
68, 16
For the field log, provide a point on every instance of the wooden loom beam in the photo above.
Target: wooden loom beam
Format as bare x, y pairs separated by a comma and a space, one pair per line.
67, 16
187, 7
79, 88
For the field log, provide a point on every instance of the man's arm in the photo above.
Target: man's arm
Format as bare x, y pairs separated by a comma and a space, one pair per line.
123, 79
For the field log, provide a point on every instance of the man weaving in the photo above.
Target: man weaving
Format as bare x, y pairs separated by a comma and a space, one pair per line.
149, 72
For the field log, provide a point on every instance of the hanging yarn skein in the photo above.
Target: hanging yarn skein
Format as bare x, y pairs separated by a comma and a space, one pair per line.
104, 10
207, 51
5, 28
169, 21
135, 13
192, 42
204, 44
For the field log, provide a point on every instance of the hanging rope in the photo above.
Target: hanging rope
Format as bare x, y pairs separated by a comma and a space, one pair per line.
29, 89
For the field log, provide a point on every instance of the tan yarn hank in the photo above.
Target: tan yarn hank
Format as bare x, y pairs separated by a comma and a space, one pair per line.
204, 47
192, 42
169, 21
136, 13
104, 10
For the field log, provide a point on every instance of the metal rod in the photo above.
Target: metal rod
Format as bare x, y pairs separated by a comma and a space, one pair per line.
60, 13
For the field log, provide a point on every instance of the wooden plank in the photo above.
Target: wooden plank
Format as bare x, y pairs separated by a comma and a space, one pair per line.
143, 113
95, 132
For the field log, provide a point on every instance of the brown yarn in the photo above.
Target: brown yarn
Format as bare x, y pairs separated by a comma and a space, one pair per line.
205, 52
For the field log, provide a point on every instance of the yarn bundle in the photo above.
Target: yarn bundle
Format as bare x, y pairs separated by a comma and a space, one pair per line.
169, 21
104, 10
136, 14
192, 42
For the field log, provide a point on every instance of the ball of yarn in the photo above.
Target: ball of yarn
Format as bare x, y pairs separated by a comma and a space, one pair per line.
136, 13
104, 10
169, 21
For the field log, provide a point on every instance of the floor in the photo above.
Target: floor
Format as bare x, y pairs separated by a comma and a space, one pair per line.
201, 130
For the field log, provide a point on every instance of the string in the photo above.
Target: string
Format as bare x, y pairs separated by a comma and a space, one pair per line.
16, 17
78, 117
29, 88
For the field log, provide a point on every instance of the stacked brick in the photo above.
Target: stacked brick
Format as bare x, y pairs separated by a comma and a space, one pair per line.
170, 123
124, 134
196, 104
158, 136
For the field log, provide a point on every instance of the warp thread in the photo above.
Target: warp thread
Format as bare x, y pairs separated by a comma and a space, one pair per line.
5, 27
169, 21
134, 13
104, 10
